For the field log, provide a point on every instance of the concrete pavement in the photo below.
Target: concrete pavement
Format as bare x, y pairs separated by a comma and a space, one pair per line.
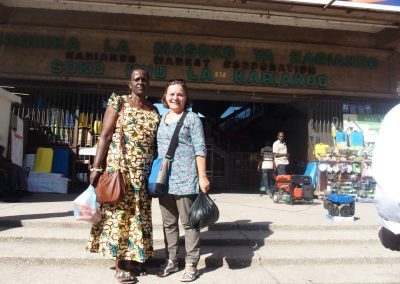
254, 241
236, 211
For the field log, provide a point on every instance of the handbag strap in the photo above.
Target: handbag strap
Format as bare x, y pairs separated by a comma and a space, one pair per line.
121, 130
174, 140
121, 123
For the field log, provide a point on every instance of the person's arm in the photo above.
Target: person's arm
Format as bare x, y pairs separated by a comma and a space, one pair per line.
275, 151
276, 154
201, 170
199, 145
109, 122
259, 166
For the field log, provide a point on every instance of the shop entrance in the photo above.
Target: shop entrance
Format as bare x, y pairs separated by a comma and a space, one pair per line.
236, 131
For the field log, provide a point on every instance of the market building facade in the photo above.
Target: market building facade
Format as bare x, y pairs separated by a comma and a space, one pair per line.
281, 65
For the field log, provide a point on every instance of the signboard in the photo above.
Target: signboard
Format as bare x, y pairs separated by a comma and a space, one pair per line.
60, 54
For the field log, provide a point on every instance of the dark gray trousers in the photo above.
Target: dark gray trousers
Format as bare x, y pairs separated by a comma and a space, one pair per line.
281, 169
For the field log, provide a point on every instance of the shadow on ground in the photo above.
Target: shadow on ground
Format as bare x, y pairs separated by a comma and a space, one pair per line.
229, 244
15, 221
45, 197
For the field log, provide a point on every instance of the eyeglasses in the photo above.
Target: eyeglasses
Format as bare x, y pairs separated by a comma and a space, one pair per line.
181, 82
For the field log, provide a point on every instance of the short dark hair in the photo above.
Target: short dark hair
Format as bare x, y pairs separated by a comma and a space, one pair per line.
180, 82
142, 69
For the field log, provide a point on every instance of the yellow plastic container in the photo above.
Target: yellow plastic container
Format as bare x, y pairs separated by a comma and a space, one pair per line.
44, 160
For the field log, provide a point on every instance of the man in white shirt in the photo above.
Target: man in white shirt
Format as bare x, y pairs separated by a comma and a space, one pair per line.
280, 154
385, 170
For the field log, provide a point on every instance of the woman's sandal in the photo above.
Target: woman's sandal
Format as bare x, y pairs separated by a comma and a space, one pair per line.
189, 276
125, 277
168, 268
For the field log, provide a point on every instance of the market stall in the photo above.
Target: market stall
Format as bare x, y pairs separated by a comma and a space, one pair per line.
344, 165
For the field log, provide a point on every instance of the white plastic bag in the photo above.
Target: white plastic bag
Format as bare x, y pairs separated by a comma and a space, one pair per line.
86, 207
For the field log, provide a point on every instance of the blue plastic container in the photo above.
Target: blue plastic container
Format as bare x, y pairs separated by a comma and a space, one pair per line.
340, 198
61, 162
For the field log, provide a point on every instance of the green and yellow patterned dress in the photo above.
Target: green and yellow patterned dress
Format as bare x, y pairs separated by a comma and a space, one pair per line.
125, 231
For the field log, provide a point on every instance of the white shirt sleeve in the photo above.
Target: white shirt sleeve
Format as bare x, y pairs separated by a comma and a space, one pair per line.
275, 147
386, 171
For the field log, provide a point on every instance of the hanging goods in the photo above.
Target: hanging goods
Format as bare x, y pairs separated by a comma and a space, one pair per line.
110, 188
204, 212
341, 139
320, 150
161, 168
356, 139
334, 126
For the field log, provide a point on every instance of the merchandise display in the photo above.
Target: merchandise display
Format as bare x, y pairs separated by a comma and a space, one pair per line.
347, 172
345, 166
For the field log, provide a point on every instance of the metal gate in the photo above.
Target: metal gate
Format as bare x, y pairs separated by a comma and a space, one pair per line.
52, 115
62, 117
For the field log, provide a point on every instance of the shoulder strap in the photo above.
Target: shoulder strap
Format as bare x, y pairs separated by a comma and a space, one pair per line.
121, 123
174, 140
121, 113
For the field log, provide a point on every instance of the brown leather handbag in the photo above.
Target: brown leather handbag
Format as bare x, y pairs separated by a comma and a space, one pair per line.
110, 188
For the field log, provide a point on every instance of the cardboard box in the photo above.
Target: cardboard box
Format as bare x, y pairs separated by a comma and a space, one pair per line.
47, 182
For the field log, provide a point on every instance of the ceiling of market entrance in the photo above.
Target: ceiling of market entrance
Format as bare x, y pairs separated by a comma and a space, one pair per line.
340, 15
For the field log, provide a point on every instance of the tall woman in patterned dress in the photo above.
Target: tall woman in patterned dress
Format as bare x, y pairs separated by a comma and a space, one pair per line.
125, 231
188, 174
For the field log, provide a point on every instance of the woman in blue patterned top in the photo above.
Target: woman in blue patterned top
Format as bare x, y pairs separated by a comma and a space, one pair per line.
188, 174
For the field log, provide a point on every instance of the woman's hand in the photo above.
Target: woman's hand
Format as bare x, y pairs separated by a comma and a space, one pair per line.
94, 178
204, 184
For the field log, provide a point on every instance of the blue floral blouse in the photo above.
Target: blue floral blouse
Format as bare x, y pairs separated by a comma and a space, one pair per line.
184, 178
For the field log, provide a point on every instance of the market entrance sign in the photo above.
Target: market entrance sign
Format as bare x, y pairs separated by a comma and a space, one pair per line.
261, 68
220, 61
